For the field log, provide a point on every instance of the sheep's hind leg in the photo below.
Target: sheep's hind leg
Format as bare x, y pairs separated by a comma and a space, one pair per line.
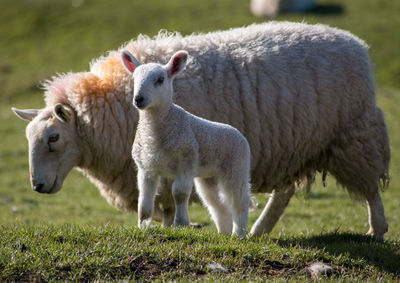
208, 191
181, 190
359, 161
376, 217
272, 212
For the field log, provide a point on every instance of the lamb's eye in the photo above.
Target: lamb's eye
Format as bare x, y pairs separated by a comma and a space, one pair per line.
54, 138
159, 81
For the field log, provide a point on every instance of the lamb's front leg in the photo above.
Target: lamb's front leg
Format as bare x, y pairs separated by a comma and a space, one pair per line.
181, 190
147, 184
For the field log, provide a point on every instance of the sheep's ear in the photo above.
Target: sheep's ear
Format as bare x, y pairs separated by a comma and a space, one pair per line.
62, 113
129, 61
177, 63
26, 114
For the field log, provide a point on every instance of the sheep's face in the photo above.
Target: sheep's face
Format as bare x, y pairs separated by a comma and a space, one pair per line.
53, 149
153, 82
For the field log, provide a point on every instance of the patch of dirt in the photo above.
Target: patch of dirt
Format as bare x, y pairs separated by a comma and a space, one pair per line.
147, 267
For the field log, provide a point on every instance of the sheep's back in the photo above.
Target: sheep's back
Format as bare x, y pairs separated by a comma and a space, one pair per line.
289, 89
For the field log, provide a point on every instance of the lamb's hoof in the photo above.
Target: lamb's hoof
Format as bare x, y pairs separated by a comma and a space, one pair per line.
241, 237
144, 223
196, 225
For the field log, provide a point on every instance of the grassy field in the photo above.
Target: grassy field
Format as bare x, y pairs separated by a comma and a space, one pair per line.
76, 235
81, 253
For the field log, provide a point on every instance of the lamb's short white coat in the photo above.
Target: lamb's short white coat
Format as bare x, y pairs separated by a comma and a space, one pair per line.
172, 143
303, 96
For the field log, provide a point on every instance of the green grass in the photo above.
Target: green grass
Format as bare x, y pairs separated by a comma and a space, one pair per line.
76, 235
80, 253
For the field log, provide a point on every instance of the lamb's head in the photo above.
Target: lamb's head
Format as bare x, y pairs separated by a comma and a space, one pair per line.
53, 148
152, 81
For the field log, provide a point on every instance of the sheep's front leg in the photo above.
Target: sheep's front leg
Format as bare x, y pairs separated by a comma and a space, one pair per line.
181, 190
277, 203
147, 184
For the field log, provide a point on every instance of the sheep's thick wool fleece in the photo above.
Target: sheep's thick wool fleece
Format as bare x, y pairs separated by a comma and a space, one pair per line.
303, 95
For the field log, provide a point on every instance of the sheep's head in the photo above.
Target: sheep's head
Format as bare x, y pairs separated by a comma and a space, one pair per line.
53, 149
152, 81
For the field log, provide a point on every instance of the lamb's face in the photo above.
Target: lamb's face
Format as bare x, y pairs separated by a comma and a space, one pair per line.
153, 82
152, 87
53, 149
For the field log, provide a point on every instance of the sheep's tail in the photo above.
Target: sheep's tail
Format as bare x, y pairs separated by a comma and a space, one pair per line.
384, 178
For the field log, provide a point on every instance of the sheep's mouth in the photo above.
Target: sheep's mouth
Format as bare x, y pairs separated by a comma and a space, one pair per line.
55, 187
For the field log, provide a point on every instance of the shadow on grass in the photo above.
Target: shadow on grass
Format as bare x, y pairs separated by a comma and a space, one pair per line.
320, 9
322, 195
326, 9
383, 255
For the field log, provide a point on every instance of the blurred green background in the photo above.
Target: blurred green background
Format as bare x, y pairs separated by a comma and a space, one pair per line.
40, 38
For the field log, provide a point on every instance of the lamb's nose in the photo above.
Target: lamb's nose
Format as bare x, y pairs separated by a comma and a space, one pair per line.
38, 187
138, 100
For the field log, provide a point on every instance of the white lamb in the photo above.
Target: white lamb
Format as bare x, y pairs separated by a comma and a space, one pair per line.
170, 142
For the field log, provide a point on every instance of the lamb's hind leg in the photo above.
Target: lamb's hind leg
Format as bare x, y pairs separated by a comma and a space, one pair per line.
207, 189
181, 190
236, 193
167, 214
272, 211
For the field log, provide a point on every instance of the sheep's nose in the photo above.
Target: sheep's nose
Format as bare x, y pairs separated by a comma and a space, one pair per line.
139, 101
38, 187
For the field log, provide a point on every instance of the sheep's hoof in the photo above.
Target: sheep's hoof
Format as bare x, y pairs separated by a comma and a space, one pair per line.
378, 237
181, 223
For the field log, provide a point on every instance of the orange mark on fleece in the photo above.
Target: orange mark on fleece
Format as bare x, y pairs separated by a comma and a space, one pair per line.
110, 74
111, 68
93, 86
107, 79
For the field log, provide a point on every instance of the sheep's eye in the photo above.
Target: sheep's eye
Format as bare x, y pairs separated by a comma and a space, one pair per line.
54, 138
159, 81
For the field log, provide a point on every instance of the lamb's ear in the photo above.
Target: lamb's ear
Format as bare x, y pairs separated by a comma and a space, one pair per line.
177, 63
129, 61
26, 114
62, 113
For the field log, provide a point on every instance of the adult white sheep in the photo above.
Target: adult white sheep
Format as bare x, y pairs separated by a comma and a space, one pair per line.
303, 96
173, 143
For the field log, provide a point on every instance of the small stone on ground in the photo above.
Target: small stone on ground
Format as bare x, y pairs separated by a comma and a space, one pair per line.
216, 267
318, 268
